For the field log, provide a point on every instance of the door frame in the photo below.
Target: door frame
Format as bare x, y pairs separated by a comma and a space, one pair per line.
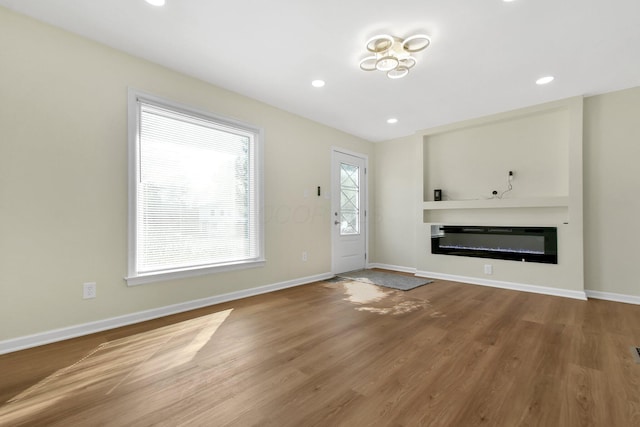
334, 186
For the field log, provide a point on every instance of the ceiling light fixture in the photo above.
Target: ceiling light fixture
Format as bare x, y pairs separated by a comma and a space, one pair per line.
544, 80
317, 83
155, 2
392, 55
392, 121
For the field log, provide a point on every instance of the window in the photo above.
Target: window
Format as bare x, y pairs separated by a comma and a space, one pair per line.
195, 192
349, 199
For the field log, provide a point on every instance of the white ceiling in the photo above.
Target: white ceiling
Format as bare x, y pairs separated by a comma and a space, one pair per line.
484, 58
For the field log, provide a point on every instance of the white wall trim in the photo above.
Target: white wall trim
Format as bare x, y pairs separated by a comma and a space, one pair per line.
506, 285
392, 267
502, 285
55, 335
610, 296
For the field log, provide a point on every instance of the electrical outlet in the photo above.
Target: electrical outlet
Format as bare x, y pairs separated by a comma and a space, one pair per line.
488, 269
88, 290
304, 256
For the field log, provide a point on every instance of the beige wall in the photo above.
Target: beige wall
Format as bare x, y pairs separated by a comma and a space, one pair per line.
396, 167
612, 192
541, 144
63, 181
611, 208
470, 162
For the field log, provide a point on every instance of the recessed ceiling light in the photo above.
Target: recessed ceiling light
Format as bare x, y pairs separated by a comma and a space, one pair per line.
544, 80
155, 2
317, 83
392, 121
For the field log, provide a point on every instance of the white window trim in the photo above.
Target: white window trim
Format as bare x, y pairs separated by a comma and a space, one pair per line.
133, 278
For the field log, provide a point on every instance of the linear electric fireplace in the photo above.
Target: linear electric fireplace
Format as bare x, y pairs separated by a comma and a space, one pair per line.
527, 244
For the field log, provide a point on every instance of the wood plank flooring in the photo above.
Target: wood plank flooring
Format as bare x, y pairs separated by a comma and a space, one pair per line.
343, 354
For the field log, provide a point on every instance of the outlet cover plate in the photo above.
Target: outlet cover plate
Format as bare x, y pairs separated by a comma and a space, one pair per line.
88, 290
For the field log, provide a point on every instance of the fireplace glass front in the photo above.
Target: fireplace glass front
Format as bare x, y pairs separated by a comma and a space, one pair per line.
526, 244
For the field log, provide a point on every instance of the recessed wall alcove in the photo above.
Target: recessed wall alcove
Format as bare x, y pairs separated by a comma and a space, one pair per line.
468, 161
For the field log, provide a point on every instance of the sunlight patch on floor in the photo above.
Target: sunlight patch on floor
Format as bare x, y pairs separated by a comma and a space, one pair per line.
402, 307
379, 300
117, 363
364, 293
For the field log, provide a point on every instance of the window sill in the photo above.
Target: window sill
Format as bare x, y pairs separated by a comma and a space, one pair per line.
141, 279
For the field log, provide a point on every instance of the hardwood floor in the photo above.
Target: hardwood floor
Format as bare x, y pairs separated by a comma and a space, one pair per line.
344, 353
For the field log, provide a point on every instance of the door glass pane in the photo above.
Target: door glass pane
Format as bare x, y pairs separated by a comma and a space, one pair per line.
349, 199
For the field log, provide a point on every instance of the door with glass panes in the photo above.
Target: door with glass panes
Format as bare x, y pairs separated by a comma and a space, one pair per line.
348, 212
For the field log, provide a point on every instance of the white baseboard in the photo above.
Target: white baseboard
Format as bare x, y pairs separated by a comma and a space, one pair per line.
506, 285
392, 267
610, 296
21, 343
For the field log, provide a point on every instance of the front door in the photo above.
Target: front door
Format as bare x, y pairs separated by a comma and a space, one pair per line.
348, 212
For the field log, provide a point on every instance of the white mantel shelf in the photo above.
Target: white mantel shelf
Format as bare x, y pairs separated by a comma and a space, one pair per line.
531, 202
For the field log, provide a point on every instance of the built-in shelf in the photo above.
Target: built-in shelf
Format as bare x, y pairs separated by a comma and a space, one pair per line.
531, 202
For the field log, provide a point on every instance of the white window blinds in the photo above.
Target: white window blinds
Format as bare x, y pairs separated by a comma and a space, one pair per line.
196, 192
